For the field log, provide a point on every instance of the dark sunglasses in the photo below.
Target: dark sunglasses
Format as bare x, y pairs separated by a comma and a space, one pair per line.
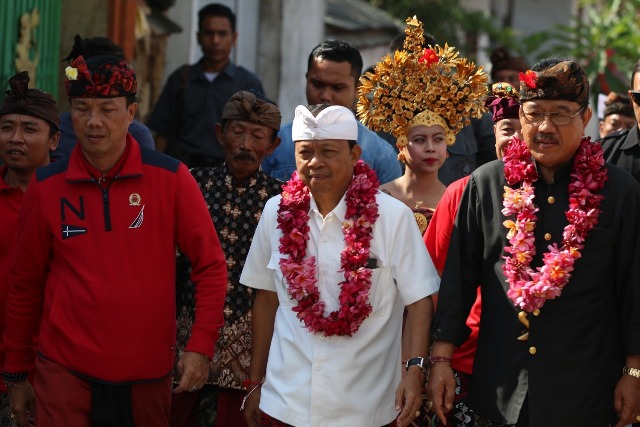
635, 96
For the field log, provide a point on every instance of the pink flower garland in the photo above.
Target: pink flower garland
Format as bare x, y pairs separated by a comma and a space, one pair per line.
300, 273
530, 289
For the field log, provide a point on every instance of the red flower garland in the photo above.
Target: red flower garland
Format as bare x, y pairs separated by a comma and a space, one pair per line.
530, 289
300, 273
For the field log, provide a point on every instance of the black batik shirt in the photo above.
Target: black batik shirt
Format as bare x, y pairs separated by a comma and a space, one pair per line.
570, 364
235, 209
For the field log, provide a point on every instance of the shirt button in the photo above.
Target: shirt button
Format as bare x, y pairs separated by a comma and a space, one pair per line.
536, 312
532, 350
551, 200
325, 238
547, 236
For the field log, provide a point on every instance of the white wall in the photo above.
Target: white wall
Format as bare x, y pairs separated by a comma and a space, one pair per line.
302, 29
247, 23
179, 46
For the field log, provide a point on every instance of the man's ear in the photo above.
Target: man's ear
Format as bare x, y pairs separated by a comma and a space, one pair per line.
54, 141
601, 128
131, 109
274, 145
585, 119
356, 152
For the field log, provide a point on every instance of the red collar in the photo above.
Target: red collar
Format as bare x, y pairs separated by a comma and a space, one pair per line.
130, 163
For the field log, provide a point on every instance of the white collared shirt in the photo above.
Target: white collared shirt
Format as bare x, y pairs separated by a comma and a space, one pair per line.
313, 380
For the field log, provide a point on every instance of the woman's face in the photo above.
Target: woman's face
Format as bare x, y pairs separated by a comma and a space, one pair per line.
426, 150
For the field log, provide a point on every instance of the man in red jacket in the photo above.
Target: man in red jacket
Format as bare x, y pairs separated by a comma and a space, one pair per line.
94, 270
29, 129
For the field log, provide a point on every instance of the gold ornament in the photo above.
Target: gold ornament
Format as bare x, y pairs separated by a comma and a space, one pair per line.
413, 80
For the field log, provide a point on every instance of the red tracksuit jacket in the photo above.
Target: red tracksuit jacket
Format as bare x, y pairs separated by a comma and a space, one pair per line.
95, 268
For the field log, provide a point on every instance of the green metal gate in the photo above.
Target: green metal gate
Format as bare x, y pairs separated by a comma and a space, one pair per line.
30, 40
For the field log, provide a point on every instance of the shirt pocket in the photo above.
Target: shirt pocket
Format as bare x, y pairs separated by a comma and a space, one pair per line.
383, 291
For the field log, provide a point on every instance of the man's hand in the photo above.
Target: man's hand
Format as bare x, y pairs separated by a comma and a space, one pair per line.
441, 389
252, 412
22, 401
409, 395
193, 371
626, 400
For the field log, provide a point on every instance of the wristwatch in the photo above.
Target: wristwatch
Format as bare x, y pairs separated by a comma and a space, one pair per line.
417, 361
634, 372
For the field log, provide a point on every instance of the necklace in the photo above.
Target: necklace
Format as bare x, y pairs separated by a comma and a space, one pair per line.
300, 273
529, 289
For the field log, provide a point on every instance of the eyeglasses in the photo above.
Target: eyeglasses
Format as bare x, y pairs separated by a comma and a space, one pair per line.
558, 119
635, 96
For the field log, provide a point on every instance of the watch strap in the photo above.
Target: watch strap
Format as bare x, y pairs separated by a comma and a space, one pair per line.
634, 372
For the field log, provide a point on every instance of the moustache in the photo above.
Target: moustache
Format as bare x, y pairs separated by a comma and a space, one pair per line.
544, 138
244, 156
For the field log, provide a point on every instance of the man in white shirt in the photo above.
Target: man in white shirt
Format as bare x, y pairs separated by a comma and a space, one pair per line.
335, 262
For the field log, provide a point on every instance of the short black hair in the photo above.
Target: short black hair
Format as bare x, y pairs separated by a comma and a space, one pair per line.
549, 62
338, 51
217, 9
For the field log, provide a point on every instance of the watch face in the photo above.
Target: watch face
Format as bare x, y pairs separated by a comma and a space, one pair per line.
418, 361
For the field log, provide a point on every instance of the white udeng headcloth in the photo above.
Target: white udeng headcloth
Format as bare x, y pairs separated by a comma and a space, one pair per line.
334, 122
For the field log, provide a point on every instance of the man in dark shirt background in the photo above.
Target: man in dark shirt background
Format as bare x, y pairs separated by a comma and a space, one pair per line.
623, 148
191, 102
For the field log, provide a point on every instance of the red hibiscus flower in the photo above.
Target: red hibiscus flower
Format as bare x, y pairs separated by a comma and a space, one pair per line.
529, 78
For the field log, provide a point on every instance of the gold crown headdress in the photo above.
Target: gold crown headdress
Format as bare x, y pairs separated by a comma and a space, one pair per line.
421, 86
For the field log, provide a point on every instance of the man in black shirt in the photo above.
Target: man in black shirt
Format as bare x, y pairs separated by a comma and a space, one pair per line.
552, 235
191, 102
623, 148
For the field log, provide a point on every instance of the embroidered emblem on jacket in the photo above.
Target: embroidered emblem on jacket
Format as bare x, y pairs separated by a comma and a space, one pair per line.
137, 223
69, 231
134, 199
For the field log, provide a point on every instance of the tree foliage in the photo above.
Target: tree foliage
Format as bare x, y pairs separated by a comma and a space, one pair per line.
605, 40
604, 37
448, 21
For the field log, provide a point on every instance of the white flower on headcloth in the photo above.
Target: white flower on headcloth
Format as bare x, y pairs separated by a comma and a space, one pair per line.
71, 73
